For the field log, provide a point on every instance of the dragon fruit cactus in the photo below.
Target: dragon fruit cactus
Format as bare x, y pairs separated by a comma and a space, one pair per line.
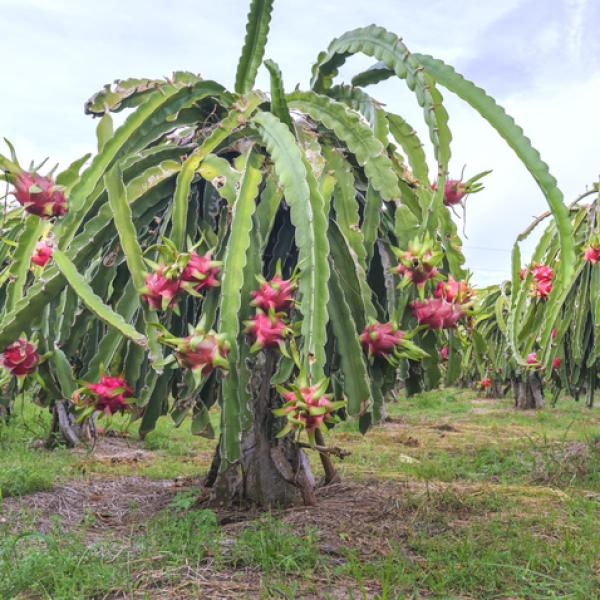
110, 395
381, 339
39, 195
276, 294
162, 288
418, 263
592, 253
453, 291
267, 330
437, 313
20, 358
542, 280
42, 254
307, 407
201, 272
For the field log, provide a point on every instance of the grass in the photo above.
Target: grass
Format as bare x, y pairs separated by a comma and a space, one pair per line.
498, 504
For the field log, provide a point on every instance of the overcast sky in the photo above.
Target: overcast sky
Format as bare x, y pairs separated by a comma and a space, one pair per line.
538, 58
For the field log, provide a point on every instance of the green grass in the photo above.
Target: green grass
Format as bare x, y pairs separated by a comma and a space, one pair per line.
499, 504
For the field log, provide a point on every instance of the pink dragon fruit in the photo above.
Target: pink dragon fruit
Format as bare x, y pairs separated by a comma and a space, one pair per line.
307, 407
444, 352
592, 253
162, 289
532, 359
523, 273
437, 313
267, 330
454, 191
42, 254
418, 263
109, 395
485, 383
39, 195
542, 280
202, 352
381, 339
453, 291
556, 362
20, 357
201, 272
276, 294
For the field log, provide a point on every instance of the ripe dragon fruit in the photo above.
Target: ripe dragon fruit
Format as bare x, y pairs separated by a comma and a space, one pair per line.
307, 407
454, 191
20, 357
444, 352
532, 359
276, 294
203, 352
437, 313
381, 339
453, 291
39, 195
42, 254
556, 362
542, 280
523, 273
267, 330
201, 272
485, 383
592, 253
418, 263
162, 288
109, 395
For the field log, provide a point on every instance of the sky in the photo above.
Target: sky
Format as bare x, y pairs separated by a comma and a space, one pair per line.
540, 59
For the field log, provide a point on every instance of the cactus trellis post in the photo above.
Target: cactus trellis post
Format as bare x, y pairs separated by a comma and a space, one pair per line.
244, 249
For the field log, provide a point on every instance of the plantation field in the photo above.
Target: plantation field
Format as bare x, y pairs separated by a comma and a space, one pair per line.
454, 497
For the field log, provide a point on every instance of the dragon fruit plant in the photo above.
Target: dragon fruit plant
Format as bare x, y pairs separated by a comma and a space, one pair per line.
324, 182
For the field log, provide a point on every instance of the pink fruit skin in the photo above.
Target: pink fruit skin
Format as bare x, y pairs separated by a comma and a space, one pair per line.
20, 357
542, 284
158, 287
380, 339
453, 291
454, 191
111, 394
276, 294
444, 352
201, 271
267, 330
592, 254
310, 422
42, 254
49, 202
556, 361
201, 354
532, 358
437, 313
485, 383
